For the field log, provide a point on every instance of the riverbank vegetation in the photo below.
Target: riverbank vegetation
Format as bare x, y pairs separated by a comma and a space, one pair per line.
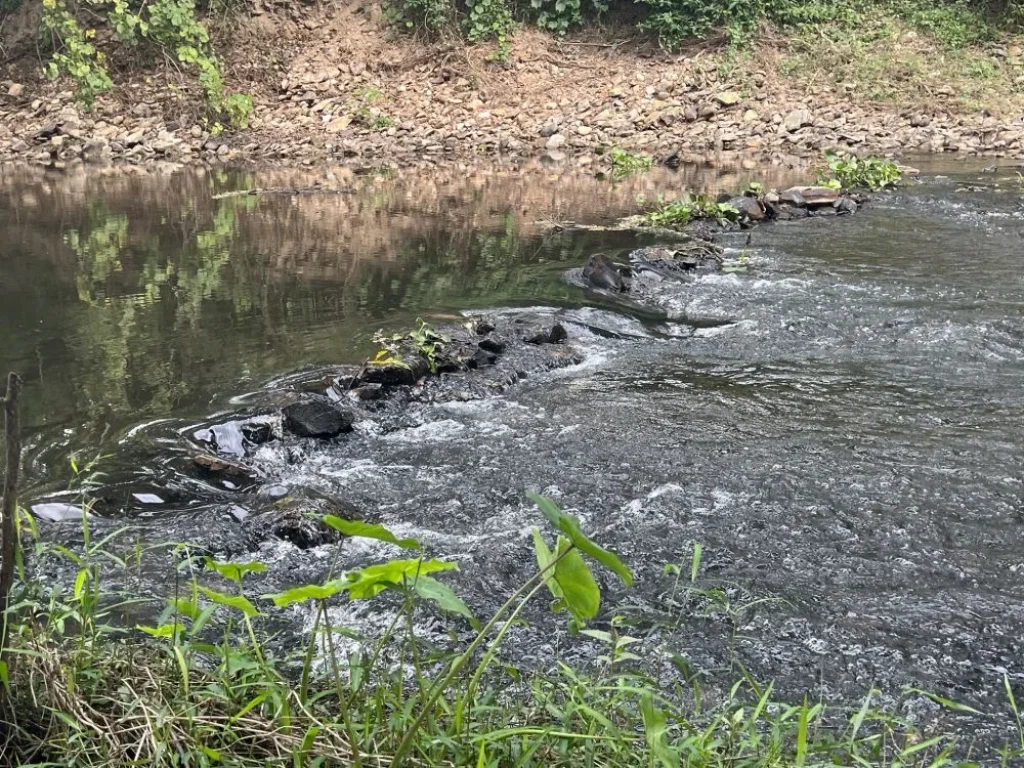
87, 42
205, 683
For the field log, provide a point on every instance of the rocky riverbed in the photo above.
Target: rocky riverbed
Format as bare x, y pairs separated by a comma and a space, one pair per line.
375, 101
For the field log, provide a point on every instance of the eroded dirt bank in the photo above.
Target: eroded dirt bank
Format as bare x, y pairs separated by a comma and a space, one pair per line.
333, 85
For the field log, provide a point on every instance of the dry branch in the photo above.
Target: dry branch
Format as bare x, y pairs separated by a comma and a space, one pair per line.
8, 530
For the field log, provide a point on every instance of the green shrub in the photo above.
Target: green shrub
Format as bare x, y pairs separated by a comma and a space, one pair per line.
431, 16
488, 20
872, 173
678, 213
626, 163
164, 25
675, 21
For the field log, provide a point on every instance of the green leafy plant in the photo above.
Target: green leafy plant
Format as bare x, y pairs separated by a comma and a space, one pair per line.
427, 342
678, 213
488, 20
872, 173
166, 25
626, 163
675, 21
76, 56
202, 685
367, 113
431, 16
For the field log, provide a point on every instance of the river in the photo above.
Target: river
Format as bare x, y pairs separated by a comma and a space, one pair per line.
839, 426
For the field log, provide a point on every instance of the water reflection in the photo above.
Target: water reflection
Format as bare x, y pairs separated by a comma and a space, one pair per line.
130, 295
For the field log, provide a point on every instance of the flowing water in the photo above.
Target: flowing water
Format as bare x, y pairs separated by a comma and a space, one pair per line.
838, 426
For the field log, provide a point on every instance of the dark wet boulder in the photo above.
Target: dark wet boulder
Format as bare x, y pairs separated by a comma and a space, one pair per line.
493, 345
396, 370
845, 205
550, 335
257, 432
367, 392
601, 272
481, 358
749, 208
483, 327
295, 519
317, 418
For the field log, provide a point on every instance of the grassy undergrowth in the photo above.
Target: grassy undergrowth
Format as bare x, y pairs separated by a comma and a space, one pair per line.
204, 687
914, 54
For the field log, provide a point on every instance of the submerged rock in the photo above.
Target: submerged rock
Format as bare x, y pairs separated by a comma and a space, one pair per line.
601, 272
396, 370
675, 262
551, 335
257, 432
317, 418
233, 437
367, 392
58, 512
219, 465
295, 519
493, 345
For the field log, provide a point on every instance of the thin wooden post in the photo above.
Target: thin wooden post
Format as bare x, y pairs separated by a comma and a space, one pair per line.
9, 507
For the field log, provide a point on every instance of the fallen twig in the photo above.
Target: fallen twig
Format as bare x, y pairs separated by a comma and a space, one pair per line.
282, 191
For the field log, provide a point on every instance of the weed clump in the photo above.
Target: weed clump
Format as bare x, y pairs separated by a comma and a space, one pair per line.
203, 686
674, 214
873, 173
626, 163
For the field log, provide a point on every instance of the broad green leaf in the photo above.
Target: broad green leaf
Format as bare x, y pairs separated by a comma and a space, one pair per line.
186, 608
238, 602
372, 580
545, 557
431, 589
568, 525
571, 581
164, 630
580, 592
368, 531
235, 571
308, 592
656, 733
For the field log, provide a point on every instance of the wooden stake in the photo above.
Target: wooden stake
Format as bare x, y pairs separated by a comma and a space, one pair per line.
8, 529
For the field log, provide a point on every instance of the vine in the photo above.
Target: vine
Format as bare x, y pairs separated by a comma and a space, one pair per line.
169, 25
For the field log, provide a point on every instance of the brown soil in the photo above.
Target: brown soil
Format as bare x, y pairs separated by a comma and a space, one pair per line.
333, 86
